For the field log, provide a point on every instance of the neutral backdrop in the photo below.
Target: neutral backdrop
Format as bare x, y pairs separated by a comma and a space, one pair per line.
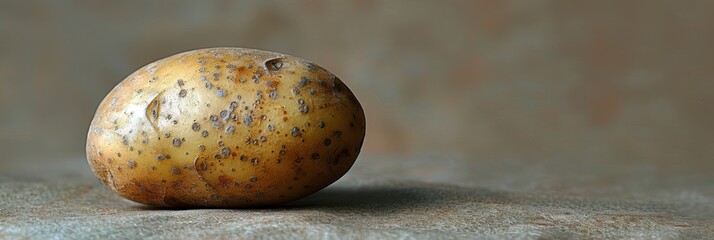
485, 119
531, 86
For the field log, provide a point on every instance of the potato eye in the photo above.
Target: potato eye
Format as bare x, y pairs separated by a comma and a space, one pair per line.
274, 64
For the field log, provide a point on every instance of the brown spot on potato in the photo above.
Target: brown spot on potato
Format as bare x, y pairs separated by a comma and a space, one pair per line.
303, 80
224, 181
248, 120
303, 109
221, 93
131, 164
345, 152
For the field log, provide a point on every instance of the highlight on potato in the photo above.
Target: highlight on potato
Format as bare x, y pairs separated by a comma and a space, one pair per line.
225, 127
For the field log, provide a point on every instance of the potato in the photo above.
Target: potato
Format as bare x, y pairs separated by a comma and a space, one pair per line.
225, 127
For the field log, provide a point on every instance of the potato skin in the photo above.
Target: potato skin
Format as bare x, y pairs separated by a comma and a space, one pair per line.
225, 127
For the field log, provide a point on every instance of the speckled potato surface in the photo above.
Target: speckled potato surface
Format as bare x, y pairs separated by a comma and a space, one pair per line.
225, 127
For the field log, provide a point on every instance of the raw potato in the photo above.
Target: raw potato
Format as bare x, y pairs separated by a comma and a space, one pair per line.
225, 127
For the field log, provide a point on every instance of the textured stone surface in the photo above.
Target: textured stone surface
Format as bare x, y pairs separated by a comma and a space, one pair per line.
382, 197
529, 109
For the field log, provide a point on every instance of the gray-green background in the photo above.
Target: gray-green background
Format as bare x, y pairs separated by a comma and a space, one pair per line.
532, 86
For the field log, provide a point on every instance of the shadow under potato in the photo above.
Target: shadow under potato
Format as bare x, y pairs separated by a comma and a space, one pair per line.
415, 197
378, 198
395, 197
391, 198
